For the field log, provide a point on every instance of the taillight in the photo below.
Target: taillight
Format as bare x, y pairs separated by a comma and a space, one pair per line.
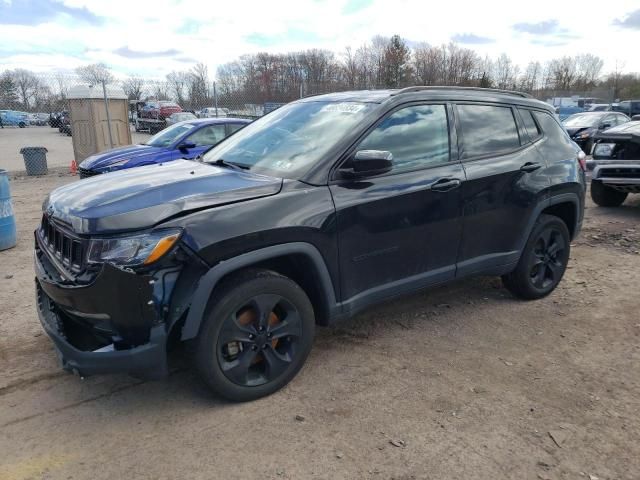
582, 160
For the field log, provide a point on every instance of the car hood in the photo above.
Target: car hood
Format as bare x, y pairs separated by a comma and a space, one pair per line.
143, 197
106, 158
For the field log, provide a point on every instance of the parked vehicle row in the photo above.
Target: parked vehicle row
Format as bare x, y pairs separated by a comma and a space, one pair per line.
312, 213
12, 118
582, 127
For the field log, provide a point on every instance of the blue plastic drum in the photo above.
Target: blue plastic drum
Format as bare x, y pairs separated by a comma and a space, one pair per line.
7, 220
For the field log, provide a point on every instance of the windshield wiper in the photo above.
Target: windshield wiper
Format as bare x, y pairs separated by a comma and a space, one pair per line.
223, 163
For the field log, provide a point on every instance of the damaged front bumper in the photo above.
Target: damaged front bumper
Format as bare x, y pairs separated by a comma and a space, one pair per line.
109, 325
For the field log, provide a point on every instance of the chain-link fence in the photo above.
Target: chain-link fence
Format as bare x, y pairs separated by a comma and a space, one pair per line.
73, 116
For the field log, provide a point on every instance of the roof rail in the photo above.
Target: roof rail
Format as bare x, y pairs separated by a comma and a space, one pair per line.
419, 88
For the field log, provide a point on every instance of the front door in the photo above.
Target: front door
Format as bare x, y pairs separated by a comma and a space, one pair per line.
400, 229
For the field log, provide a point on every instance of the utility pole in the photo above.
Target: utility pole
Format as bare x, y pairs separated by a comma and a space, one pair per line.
215, 98
106, 106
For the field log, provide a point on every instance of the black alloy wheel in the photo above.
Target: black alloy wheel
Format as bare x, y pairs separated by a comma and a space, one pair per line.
258, 342
256, 335
543, 260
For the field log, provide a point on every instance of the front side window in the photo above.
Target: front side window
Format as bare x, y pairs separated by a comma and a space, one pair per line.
209, 135
486, 130
289, 140
417, 136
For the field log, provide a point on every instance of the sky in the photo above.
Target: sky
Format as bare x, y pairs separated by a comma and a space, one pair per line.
153, 38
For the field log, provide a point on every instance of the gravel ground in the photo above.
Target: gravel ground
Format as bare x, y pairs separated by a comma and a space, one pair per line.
460, 382
59, 146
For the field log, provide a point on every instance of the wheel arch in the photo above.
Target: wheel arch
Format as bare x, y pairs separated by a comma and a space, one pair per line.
290, 259
566, 206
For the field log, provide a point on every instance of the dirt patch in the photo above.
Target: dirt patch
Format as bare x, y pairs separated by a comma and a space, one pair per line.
462, 381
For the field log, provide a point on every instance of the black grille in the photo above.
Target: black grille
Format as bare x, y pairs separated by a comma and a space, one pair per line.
66, 248
620, 172
84, 173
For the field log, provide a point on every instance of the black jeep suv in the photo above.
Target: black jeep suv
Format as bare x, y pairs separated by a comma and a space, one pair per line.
306, 216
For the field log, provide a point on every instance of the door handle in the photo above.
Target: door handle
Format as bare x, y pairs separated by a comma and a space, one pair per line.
530, 167
445, 184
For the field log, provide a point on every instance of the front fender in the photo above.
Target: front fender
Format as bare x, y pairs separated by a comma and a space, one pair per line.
209, 280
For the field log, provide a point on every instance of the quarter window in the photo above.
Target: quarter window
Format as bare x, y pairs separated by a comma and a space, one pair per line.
487, 129
552, 129
417, 136
530, 125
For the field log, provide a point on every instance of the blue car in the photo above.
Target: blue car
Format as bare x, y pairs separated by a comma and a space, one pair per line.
183, 140
11, 117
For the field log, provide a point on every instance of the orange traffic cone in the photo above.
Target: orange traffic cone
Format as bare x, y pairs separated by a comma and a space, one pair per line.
73, 170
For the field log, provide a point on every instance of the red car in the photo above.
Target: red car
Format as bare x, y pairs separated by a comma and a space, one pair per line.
159, 110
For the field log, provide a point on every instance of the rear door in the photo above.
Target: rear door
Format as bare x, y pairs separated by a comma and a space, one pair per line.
504, 174
400, 230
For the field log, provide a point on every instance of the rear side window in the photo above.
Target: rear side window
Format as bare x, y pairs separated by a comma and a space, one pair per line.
530, 124
552, 129
486, 130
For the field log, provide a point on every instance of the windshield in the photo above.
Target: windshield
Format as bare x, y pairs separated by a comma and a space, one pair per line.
289, 140
169, 135
582, 120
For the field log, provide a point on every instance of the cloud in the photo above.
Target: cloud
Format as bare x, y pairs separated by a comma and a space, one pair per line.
471, 39
292, 35
354, 6
128, 53
541, 28
35, 12
632, 21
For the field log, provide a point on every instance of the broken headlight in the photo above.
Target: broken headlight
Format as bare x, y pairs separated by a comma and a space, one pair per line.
134, 250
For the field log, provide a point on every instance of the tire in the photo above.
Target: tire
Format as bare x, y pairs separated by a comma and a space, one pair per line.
543, 260
606, 196
274, 344
21, 125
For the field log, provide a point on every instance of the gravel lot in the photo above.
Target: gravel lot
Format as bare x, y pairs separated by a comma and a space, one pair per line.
59, 146
461, 382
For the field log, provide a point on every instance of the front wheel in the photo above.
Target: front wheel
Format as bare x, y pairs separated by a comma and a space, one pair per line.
606, 196
22, 125
256, 335
543, 260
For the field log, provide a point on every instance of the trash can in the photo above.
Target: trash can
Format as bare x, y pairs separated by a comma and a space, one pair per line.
35, 160
7, 220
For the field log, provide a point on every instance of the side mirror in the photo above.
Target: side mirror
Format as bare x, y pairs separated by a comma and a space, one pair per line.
604, 126
367, 163
184, 146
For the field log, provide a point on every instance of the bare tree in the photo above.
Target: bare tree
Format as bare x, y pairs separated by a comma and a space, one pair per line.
26, 83
8, 91
95, 74
133, 87
198, 86
177, 85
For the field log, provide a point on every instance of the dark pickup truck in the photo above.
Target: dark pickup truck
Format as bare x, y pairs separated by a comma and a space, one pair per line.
616, 164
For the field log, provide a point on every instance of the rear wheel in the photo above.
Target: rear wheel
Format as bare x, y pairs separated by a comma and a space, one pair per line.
543, 260
606, 196
22, 124
256, 335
